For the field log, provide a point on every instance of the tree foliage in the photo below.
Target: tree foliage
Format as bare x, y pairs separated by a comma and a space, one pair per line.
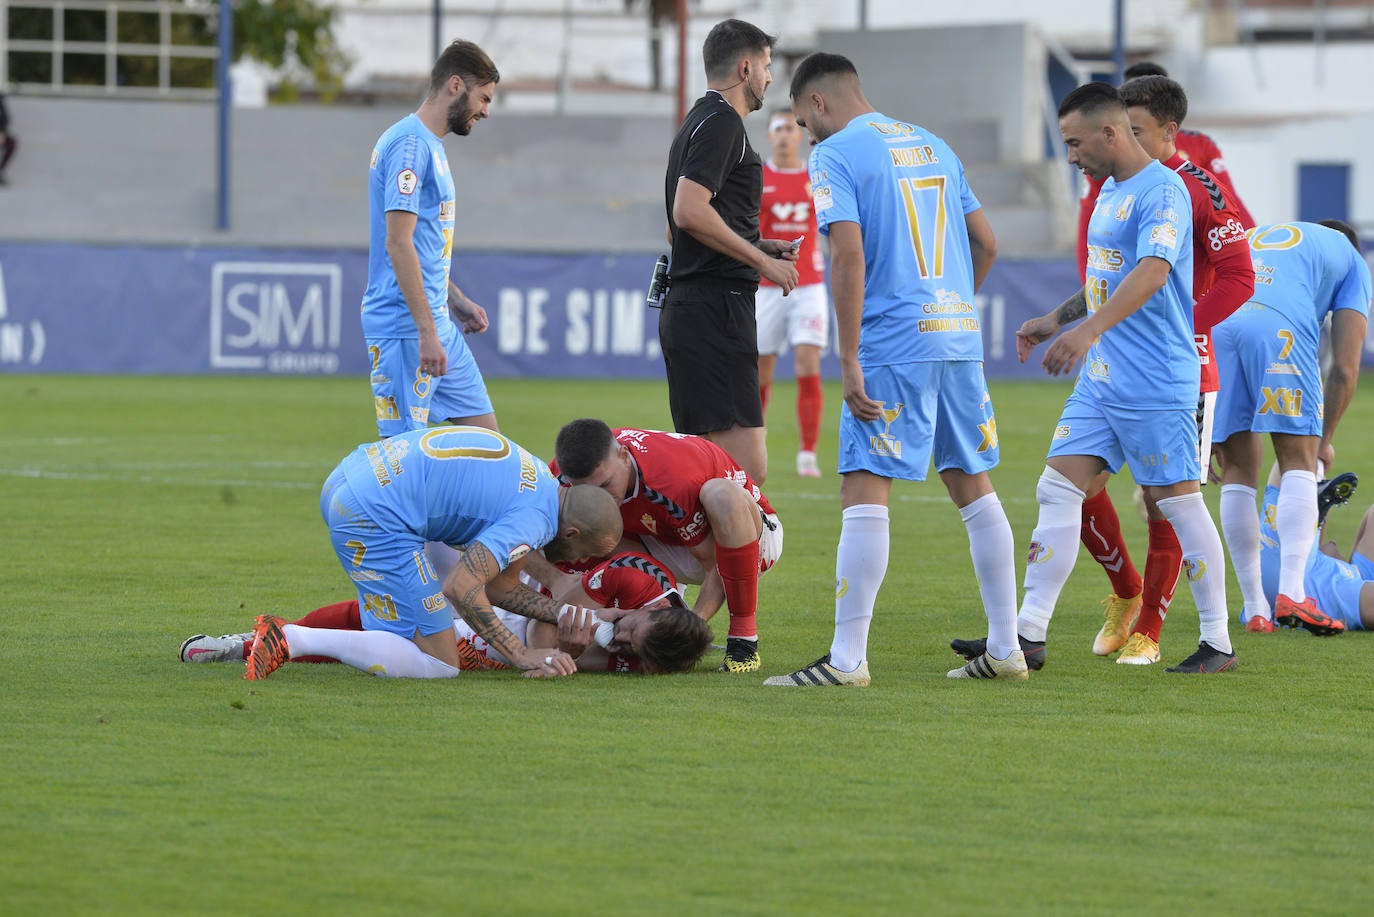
293, 37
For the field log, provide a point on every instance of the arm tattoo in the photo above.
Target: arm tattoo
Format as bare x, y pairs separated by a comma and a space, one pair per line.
1073, 308
476, 568
526, 602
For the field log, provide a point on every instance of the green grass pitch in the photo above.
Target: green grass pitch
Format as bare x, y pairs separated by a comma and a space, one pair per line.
139, 510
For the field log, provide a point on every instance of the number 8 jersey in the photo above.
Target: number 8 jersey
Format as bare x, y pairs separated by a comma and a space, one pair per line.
906, 190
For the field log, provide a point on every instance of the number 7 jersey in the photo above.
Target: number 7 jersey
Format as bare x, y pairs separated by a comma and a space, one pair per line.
906, 190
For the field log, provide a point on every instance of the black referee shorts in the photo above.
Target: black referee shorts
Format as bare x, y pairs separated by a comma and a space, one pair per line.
710, 349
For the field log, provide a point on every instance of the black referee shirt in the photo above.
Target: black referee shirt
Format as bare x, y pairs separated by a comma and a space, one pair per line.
712, 149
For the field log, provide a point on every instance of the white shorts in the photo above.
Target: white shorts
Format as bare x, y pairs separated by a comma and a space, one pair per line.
684, 565
801, 317
1206, 415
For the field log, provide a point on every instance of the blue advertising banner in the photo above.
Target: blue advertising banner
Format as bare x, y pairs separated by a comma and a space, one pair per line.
131, 309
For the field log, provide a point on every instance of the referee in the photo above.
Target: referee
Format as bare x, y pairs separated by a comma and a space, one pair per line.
712, 190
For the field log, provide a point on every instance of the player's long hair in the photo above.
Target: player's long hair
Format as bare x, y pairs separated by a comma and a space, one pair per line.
676, 641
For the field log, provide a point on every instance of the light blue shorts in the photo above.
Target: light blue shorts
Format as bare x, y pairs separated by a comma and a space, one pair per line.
939, 409
407, 399
398, 590
1158, 445
1336, 585
1270, 380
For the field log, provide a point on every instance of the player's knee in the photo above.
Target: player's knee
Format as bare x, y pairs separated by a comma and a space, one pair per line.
1054, 488
729, 510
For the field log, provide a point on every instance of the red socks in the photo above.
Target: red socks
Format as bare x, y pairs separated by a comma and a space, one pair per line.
809, 403
1101, 535
339, 616
739, 571
1162, 566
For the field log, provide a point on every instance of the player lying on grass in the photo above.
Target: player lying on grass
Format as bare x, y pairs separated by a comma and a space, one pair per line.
466, 487
1342, 584
687, 503
654, 630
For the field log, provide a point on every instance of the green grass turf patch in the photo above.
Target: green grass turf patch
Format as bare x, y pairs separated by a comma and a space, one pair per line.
141, 510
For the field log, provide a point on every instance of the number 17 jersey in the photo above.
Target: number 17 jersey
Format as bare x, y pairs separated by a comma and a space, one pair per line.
906, 190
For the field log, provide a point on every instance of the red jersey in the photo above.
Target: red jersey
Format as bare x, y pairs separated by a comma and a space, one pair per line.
629, 580
1223, 275
785, 212
670, 469
1194, 146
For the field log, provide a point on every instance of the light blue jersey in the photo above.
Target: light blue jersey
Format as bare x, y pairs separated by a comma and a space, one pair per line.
1304, 271
1335, 584
456, 485
1148, 360
1271, 379
409, 172
906, 190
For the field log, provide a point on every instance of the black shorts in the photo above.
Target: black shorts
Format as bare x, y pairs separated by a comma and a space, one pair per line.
711, 353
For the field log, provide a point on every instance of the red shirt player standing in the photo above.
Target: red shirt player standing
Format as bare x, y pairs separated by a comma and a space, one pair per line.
690, 506
800, 319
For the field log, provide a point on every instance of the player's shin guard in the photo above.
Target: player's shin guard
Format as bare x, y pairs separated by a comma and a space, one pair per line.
1240, 524
810, 400
1295, 518
992, 546
1101, 535
739, 572
375, 652
1204, 562
1053, 549
1163, 562
860, 565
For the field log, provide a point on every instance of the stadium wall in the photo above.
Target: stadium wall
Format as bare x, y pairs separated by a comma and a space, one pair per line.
75, 308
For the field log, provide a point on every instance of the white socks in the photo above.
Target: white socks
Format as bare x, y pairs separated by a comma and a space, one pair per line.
1296, 521
860, 565
1053, 550
992, 545
1204, 563
375, 652
1241, 526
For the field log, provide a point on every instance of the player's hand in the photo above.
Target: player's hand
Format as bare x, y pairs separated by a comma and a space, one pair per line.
1032, 332
781, 272
576, 630
1214, 468
469, 316
856, 396
1326, 455
545, 663
1067, 351
433, 357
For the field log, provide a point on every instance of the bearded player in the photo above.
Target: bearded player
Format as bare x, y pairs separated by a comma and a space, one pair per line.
1223, 279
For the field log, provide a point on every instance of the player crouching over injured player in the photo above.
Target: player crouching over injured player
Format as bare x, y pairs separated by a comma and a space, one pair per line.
687, 503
